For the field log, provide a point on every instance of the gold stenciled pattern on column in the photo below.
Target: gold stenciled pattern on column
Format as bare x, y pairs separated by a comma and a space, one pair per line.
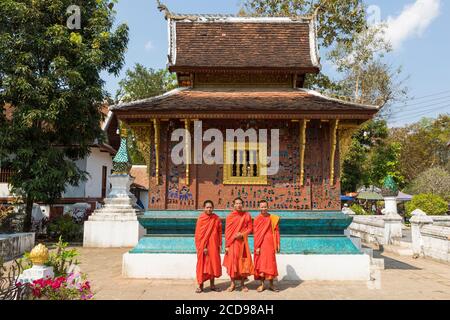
142, 133
303, 125
187, 125
156, 125
334, 127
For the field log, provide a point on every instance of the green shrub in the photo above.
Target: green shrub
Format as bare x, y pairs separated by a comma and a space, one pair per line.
431, 204
65, 227
359, 210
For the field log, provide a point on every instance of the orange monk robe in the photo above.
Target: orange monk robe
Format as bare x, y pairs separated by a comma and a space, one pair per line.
267, 239
208, 234
238, 250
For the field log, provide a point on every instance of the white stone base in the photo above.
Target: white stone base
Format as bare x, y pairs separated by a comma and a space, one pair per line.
36, 273
290, 267
112, 234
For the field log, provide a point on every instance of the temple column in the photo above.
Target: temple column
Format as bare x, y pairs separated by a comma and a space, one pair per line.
334, 127
156, 126
187, 148
303, 125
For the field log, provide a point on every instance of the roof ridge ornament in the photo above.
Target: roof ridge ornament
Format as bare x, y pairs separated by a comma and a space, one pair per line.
173, 16
163, 8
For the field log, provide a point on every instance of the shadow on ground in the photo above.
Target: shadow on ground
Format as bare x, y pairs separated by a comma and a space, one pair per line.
390, 264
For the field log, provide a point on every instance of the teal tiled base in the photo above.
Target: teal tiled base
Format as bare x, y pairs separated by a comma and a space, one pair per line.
289, 245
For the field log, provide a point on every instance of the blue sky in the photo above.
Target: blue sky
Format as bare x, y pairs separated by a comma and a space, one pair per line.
419, 30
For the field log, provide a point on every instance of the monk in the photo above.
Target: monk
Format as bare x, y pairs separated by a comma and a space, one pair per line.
238, 259
266, 244
208, 241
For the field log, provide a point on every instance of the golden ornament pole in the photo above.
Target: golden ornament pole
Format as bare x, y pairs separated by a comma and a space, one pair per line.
187, 124
156, 126
302, 132
334, 128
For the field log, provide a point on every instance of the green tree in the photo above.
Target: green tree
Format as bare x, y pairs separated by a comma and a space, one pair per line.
366, 78
142, 83
431, 204
352, 172
423, 146
435, 180
383, 161
50, 75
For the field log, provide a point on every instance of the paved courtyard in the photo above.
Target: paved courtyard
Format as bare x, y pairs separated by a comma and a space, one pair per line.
403, 278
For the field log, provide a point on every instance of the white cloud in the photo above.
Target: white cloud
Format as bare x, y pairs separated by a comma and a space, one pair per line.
149, 46
412, 22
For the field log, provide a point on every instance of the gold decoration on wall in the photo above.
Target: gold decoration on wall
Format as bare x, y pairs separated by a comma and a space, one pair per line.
333, 128
156, 125
142, 133
39, 255
243, 79
302, 136
257, 155
187, 148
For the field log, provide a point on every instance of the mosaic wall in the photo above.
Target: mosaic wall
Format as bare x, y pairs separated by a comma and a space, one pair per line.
284, 191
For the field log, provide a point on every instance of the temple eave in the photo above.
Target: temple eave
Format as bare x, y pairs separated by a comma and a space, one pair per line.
255, 114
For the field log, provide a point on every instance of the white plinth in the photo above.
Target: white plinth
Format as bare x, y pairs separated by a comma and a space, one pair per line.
112, 234
116, 224
36, 273
290, 267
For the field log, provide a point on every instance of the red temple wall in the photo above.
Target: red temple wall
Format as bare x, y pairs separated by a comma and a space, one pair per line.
283, 191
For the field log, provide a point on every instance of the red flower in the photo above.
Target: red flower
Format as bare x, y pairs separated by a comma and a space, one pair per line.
37, 292
86, 286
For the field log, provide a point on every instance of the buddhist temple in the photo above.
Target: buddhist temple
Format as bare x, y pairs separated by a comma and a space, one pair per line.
244, 73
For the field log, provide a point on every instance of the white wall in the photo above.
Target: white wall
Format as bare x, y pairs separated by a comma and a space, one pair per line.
95, 162
4, 190
78, 191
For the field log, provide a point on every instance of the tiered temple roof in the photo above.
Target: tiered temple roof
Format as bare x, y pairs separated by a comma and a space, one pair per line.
229, 66
234, 43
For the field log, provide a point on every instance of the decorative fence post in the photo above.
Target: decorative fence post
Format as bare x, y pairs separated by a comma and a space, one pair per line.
418, 221
392, 220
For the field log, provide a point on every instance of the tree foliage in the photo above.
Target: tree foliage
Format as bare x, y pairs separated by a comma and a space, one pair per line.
366, 78
423, 146
371, 158
141, 83
435, 180
431, 204
50, 78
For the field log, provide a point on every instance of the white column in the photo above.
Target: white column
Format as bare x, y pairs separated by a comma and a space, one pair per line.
390, 204
392, 227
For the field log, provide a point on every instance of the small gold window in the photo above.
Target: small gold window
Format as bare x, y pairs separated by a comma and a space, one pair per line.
245, 163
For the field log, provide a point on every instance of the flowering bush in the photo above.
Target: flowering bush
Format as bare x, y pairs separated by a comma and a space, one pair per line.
73, 287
